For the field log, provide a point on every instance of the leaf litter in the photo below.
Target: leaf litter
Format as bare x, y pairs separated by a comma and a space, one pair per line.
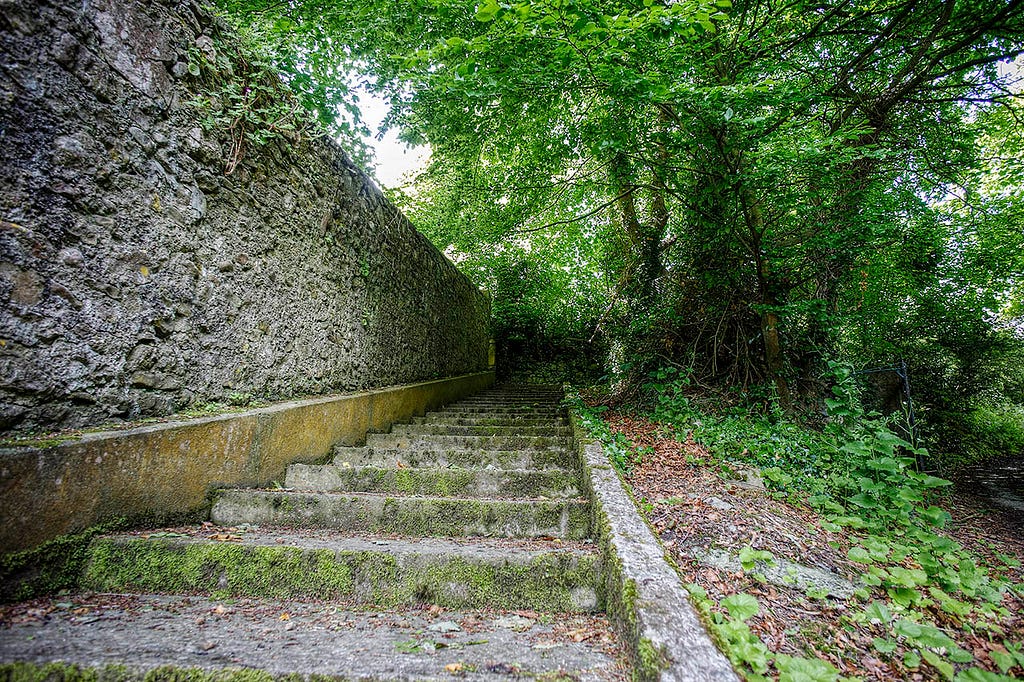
695, 503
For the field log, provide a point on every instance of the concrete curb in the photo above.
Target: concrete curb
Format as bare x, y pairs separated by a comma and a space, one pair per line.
645, 597
166, 471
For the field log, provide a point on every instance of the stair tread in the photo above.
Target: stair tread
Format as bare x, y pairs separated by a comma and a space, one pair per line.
398, 545
386, 495
314, 638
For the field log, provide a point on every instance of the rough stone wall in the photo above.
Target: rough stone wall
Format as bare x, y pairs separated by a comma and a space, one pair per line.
137, 278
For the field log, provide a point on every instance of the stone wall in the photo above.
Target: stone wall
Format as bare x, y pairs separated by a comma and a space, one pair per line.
137, 278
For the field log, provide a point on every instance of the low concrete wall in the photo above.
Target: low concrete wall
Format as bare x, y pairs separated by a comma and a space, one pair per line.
167, 470
644, 596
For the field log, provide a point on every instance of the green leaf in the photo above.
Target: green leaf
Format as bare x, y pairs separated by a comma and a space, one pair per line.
885, 646
1002, 659
797, 669
936, 516
487, 10
741, 606
863, 500
907, 628
928, 481
860, 555
939, 663
877, 612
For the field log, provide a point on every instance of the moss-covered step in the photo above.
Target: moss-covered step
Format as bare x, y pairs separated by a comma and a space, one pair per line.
456, 482
505, 409
488, 420
531, 402
399, 515
483, 430
467, 459
403, 441
383, 572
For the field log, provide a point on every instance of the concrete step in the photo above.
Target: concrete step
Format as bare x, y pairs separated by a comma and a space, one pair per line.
509, 403
537, 575
436, 457
403, 441
481, 430
184, 637
525, 411
387, 514
489, 420
436, 482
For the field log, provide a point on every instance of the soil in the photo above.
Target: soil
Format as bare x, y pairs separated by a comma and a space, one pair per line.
694, 503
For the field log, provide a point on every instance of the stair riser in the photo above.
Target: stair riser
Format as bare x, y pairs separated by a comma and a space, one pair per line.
483, 420
404, 515
483, 459
437, 442
555, 581
469, 430
505, 410
549, 404
434, 482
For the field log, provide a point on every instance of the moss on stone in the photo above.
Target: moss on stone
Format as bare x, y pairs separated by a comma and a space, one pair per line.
545, 583
220, 569
650, 661
454, 517
52, 566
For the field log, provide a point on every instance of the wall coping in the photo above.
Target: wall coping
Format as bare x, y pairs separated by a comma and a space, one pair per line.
644, 595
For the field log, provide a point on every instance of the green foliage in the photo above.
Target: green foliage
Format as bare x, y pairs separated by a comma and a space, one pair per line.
620, 451
53, 566
240, 91
919, 586
743, 191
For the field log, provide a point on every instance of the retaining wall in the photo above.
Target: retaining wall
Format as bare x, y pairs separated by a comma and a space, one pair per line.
138, 278
165, 471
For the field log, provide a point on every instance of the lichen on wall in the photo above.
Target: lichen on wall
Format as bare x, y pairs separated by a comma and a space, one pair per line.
137, 277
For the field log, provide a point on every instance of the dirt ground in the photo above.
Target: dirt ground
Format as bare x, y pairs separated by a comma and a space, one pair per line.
694, 503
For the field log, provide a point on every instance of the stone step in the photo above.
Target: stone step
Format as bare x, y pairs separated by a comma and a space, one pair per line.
184, 637
401, 515
393, 458
474, 410
515, 402
547, 430
517, 395
480, 573
434, 481
402, 441
485, 420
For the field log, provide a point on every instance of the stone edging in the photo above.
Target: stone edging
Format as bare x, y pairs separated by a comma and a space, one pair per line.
645, 597
160, 472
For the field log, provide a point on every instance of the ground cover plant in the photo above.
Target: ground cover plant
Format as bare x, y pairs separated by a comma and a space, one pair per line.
819, 553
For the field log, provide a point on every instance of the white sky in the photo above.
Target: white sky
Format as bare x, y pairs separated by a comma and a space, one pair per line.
397, 163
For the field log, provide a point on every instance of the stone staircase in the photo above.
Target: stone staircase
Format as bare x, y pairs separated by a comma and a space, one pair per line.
471, 517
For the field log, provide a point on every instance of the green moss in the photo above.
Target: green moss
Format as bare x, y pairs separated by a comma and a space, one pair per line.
452, 517
225, 570
650, 661
221, 569
52, 566
450, 482
39, 443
